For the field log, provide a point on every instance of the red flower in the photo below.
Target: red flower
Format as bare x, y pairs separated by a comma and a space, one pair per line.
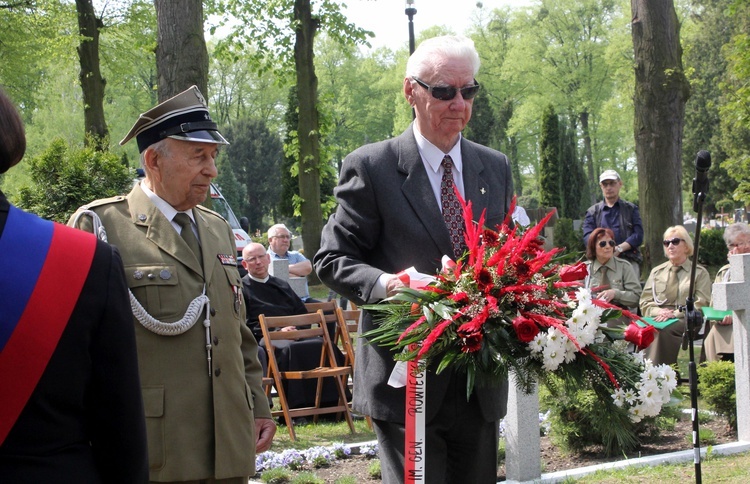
471, 339
490, 238
641, 337
573, 273
526, 329
460, 297
484, 280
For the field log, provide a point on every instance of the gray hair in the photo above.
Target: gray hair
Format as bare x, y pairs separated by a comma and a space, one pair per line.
733, 231
162, 149
273, 231
431, 53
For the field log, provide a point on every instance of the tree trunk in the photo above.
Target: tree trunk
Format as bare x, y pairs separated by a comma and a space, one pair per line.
661, 91
90, 76
588, 153
308, 130
181, 54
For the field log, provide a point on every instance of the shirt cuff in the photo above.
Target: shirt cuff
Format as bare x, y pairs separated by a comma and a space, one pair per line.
378, 290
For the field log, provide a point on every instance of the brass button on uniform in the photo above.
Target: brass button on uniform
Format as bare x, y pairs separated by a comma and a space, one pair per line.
213, 311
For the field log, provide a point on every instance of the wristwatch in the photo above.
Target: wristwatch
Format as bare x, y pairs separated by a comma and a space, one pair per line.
618, 249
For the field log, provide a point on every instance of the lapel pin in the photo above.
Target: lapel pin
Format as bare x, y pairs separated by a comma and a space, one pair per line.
482, 190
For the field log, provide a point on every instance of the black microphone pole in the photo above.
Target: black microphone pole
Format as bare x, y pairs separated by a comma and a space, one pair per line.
693, 318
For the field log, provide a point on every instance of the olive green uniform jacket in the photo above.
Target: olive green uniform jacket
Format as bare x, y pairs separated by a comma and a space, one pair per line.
621, 277
666, 346
199, 425
719, 337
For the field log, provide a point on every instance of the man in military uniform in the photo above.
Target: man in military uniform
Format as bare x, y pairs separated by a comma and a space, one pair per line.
206, 413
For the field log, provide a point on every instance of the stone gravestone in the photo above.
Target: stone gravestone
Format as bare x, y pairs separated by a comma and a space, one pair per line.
522, 440
735, 295
280, 268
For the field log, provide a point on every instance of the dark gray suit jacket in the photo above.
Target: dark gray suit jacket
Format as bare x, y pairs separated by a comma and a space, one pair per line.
387, 220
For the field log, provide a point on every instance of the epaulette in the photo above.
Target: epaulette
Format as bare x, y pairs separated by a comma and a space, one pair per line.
103, 201
209, 211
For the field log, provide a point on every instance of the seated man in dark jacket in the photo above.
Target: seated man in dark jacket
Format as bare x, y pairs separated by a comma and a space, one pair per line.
271, 296
264, 293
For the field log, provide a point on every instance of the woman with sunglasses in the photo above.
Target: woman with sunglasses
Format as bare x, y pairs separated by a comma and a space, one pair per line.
666, 289
612, 278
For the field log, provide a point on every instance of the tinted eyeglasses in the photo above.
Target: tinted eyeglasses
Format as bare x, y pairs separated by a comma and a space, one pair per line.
446, 93
604, 243
675, 241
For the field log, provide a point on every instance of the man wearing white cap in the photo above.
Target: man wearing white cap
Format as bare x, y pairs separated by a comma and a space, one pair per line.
619, 215
206, 412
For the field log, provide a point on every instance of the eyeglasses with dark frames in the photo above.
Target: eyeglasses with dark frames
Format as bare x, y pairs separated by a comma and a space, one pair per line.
603, 243
676, 241
446, 93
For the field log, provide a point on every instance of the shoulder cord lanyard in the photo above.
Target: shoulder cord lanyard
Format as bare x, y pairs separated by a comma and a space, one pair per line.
152, 324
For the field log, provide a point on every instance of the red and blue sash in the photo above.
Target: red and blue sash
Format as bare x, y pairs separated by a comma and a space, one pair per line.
43, 266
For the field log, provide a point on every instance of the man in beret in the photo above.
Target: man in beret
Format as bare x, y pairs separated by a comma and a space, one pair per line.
206, 412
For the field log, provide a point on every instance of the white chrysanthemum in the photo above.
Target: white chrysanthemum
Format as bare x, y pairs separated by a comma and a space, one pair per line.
555, 338
583, 295
570, 351
636, 413
553, 357
649, 394
650, 374
619, 397
629, 395
538, 343
668, 377
650, 410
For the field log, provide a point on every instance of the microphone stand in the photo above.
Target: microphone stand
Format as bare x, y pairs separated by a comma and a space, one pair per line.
694, 322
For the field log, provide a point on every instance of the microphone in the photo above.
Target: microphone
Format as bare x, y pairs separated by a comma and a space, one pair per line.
702, 165
700, 182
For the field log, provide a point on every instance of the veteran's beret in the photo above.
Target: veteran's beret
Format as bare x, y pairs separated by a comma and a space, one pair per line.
183, 117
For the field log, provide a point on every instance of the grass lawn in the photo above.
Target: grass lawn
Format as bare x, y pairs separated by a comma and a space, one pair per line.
715, 468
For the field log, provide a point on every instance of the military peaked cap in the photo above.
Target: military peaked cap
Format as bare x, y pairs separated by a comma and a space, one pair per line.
183, 117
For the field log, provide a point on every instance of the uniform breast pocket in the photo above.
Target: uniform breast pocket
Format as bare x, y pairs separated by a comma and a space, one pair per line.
233, 277
157, 288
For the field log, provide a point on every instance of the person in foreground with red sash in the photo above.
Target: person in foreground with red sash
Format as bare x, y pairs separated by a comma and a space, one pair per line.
397, 209
71, 407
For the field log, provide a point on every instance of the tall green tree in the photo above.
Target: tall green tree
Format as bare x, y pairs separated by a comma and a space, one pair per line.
181, 52
549, 149
661, 90
735, 113
707, 30
283, 34
567, 41
255, 158
90, 75
573, 184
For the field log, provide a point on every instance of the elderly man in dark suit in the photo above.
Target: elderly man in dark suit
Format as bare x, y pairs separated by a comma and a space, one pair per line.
395, 212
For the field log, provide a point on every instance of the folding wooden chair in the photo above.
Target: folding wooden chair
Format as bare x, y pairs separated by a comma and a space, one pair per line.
329, 314
346, 332
309, 325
